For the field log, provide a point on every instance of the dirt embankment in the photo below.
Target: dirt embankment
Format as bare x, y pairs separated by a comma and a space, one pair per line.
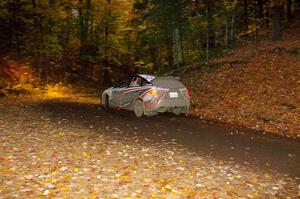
256, 88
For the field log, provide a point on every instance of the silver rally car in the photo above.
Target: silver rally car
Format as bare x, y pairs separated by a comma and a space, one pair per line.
148, 95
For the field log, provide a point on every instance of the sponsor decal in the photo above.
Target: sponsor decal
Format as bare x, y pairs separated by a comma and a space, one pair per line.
127, 90
154, 101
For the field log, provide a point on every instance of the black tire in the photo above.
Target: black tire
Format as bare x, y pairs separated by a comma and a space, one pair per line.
138, 108
177, 111
151, 113
106, 102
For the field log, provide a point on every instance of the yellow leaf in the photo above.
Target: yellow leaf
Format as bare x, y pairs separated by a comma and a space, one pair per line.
93, 196
153, 195
86, 155
124, 178
253, 181
67, 177
75, 169
52, 180
267, 175
65, 189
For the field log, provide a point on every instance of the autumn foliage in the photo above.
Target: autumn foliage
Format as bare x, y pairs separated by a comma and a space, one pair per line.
259, 89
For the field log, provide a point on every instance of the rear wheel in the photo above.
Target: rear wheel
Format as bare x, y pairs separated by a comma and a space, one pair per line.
177, 111
150, 113
138, 108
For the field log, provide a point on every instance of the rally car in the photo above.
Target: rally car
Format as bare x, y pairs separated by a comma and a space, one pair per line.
148, 95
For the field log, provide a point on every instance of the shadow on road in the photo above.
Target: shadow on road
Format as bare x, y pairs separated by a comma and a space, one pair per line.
266, 152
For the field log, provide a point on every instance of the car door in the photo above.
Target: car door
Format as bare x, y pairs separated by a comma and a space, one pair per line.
117, 92
135, 88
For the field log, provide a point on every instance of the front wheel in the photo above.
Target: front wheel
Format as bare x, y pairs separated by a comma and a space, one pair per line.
106, 103
138, 108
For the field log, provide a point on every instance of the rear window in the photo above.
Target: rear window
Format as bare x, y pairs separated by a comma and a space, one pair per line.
167, 82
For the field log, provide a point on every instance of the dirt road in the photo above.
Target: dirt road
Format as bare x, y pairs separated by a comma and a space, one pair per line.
62, 148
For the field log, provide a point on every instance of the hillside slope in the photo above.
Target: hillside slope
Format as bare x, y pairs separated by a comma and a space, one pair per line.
258, 89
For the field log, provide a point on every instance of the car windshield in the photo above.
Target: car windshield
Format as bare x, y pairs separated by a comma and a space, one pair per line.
167, 82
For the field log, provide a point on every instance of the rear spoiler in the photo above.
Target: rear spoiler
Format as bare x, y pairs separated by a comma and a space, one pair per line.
171, 77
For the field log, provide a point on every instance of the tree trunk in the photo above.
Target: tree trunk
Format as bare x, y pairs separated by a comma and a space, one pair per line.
169, 53
245, 14
289, 15
260, 9
16, 25
33, 3
226, 35
255, 23
276, 23
232, 31
84, 47
106, 28
105, 63
207, 47
88, 10
66, 45
229, 35
14, 32
209, 15
177, 50
267, 19
153, 54
36, 57
52, 2
81, 34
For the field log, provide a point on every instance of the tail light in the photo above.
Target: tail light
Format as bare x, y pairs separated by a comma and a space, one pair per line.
187, 93
153, 92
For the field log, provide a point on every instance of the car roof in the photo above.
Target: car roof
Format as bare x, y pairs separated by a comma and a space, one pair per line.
149, 78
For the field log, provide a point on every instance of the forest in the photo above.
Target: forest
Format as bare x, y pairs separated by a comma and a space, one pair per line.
213, 111
105, 39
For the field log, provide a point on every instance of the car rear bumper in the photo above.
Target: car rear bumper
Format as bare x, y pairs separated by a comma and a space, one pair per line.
166, 105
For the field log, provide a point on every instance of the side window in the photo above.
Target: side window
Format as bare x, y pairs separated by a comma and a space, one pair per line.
136, 81
124, 83
144, 82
